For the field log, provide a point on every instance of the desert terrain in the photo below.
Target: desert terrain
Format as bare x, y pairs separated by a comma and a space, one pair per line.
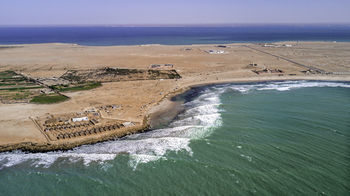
134, 101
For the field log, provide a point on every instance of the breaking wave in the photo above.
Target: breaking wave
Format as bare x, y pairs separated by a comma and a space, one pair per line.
200, 118
284, 86
198, 121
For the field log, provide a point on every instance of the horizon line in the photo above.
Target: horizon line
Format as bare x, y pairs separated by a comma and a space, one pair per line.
174, 25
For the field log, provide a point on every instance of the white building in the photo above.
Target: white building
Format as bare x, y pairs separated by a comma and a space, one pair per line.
127, 124
216, 52
80, 119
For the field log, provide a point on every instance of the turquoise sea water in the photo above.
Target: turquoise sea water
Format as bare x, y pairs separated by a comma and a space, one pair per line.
275, 138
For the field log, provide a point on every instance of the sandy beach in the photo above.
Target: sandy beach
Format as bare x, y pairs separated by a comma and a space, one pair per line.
141, 99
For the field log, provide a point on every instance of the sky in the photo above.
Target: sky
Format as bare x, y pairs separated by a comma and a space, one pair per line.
172, 12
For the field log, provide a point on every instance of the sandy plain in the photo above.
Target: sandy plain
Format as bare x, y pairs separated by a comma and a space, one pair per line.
142, 98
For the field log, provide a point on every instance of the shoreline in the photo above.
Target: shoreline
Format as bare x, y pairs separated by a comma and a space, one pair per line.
160, 44
168, 104
160, 109
150, 104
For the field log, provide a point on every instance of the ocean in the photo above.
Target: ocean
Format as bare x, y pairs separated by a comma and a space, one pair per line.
108, 35
269, 138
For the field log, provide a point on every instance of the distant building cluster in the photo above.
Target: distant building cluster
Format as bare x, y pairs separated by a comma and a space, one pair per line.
277, 45
216, 52
162, 66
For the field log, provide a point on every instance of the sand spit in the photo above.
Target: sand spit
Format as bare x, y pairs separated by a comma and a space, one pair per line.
25, 126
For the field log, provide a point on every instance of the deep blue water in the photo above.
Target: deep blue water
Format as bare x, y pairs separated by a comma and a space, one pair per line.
104, 36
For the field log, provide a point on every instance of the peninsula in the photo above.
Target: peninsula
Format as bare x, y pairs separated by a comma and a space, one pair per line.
59, 96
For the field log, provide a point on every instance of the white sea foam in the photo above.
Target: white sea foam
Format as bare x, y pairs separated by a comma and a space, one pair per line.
249, 158
198, 121
285, 85
137, 159
47, 159
201, 117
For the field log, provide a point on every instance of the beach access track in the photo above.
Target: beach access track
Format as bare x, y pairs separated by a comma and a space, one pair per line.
289, 60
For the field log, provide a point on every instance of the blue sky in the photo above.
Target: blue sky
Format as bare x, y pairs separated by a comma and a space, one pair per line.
144, 12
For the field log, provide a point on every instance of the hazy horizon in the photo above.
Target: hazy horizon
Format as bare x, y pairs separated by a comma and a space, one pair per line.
165, 13
179, 25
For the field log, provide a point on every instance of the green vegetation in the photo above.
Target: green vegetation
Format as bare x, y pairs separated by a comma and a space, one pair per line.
119, 71
49, 99
118, 74
174, 75
21, 88
7, 84
12, 77
7, 73
21, 95
71, 75
15, 95
165, 74
16, 88
78, 87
